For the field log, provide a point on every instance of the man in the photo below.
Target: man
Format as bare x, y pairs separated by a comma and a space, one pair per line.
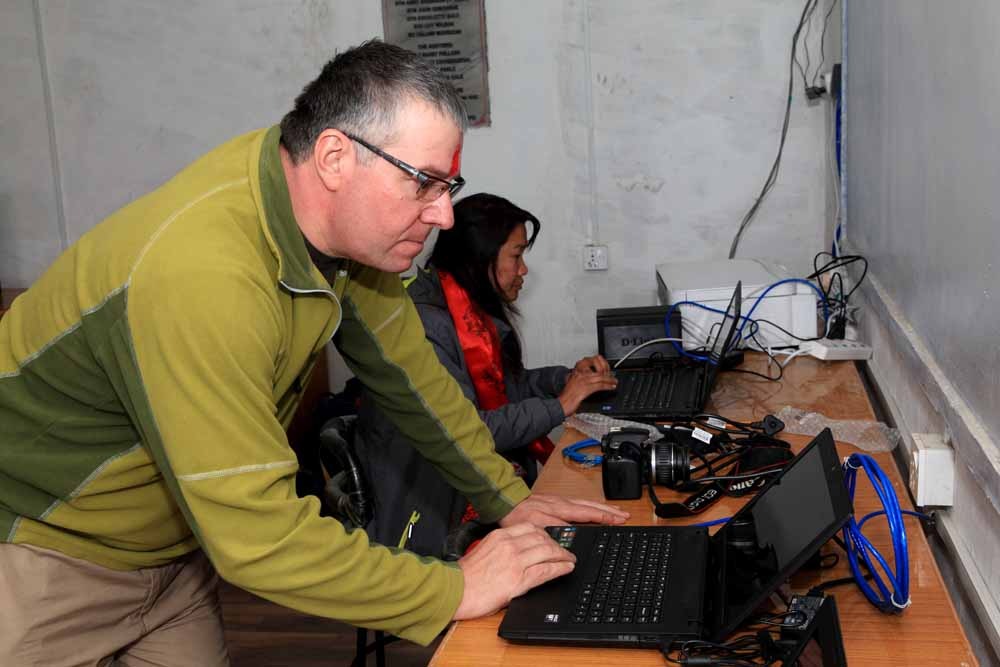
146, 378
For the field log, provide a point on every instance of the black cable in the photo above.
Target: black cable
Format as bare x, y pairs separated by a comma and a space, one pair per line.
772, 177
781, 620
840, 303
740, 427
781, 370
805, 43
754, 328
718, 464
822, 45
835, 263
786, 331
827, 585
864, 272
749, 475
742, 652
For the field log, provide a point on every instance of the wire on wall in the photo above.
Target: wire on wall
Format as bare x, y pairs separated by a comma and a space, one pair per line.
772, 177
593, 232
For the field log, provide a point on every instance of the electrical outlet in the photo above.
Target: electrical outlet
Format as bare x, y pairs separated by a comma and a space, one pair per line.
595, 258
932, 471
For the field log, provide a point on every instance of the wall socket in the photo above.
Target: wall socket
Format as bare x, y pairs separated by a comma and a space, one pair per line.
932, 471
595, 258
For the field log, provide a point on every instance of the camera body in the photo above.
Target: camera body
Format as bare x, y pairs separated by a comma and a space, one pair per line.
623, 469
629, 463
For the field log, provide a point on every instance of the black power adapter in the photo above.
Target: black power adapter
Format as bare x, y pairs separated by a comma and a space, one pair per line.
802, 610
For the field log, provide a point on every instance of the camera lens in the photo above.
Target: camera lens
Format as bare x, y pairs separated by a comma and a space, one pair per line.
670, 464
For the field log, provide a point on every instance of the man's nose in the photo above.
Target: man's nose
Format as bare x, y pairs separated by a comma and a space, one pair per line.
439, 212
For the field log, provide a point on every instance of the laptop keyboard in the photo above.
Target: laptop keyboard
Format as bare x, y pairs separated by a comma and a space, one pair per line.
631, 582
638, 390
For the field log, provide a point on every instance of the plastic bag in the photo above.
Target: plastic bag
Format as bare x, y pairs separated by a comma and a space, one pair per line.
597, 425
867, 435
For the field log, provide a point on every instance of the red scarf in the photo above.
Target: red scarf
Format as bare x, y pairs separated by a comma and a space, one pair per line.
480, 342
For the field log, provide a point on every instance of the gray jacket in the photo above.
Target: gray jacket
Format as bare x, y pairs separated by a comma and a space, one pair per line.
403, 482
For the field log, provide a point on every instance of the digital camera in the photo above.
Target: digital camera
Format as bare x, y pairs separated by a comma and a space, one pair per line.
629, 462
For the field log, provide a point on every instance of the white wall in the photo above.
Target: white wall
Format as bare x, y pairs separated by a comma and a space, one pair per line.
684, 100
30, 221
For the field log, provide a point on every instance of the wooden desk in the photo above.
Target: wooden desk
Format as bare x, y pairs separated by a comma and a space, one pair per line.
928, 633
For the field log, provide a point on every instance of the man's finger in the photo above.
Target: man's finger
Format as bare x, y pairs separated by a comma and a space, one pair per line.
544, 552
580, 514
520, 529
611, 509
558, 501
537, 575
539, 544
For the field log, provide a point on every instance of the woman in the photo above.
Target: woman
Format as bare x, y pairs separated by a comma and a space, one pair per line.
465, 296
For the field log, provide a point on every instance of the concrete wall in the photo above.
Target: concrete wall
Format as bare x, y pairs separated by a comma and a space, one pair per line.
31, 222
648, 126
922, 175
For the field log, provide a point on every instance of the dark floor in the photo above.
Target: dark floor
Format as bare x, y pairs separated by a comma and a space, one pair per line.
263, 634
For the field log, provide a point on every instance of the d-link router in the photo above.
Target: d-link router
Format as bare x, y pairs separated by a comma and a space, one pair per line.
711, 282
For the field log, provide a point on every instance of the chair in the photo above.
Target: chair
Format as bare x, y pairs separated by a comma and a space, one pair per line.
346, 496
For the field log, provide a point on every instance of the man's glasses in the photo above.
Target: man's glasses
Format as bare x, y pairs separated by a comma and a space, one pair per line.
429, 186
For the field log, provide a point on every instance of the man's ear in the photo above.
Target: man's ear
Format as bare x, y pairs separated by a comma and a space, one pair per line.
333, 158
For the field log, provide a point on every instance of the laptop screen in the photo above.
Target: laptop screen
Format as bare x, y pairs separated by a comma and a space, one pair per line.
775, 533
723, 342
622, 330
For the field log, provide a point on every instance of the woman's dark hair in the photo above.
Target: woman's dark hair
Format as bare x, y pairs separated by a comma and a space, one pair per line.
469, 251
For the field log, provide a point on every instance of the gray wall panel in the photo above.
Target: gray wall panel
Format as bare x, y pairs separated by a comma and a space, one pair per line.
924, 142
922, 191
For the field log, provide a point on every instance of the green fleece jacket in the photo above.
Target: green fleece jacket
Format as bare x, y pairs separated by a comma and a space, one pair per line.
147, 378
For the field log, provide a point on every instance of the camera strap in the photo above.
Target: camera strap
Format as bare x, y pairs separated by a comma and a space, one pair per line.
693, 504
758, 459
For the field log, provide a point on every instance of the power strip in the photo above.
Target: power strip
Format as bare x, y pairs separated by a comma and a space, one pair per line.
837, 350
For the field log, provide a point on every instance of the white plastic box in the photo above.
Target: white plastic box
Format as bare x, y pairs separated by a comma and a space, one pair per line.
711, 283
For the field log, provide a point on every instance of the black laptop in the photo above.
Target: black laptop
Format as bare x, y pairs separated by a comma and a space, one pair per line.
656, 386
643, 586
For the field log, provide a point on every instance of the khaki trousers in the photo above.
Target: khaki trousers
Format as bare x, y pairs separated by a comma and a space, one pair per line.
58, 611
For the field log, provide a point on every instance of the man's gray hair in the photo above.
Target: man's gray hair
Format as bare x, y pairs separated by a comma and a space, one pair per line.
361, 91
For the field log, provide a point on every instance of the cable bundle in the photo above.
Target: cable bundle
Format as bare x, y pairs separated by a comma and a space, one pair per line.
861, 551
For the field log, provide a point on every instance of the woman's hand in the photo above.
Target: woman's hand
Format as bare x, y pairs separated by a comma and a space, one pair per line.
594, 364
580, 385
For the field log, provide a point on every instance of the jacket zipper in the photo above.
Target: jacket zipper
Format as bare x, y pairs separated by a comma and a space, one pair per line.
408, 532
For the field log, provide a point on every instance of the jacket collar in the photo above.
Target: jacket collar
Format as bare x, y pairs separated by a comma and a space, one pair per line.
425, 288
295, 268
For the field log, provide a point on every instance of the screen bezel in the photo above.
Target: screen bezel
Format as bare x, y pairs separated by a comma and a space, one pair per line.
644, 315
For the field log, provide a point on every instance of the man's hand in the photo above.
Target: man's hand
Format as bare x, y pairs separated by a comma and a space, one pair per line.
507, 563
542, 509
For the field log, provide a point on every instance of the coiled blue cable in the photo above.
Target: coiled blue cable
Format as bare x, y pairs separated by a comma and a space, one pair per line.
572, 452
860, 549
744, 318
